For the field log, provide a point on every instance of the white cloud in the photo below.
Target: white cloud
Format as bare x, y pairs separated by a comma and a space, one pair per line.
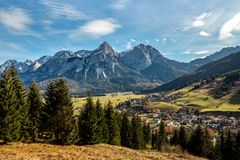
164, 40
196, 52
157, 40
203, 15
15, 18
200, 20
63, 10
204, 34
17, 21
231, 25
97, 28
198, 58
187, 52
201, 52
198, 23
133, 40
119, 4
129, 45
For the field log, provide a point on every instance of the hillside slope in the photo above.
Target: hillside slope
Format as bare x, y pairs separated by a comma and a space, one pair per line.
221, 94
91, 152
222, 66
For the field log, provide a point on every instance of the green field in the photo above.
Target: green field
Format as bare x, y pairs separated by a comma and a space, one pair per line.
199, 98
115, 98
164, 105
203, 100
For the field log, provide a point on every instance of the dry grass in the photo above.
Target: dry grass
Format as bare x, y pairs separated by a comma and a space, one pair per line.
92, 152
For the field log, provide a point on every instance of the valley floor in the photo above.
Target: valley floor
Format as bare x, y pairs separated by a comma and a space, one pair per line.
91, 152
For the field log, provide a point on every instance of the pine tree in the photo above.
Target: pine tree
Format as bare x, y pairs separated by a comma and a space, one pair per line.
125, 130
196, 142
113, 128
88, 123
161, 136
22, 104
137, 133
9, 113
219, 148
147, 135
182, 138
228, 147
102, 130
237, 146
175, 138
35, 110
154, 140
208, 149
59, 111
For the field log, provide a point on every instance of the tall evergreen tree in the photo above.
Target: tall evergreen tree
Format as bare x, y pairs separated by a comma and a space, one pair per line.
21, 104
88, 123
237, 146
35, 110
113, 128
219, 148
59, 111
196, 141
125, 130
175, 138
228, 147
102, 130
147, 135
161, 136
9, 113
154, 139
208, 149
137, 133
182, 138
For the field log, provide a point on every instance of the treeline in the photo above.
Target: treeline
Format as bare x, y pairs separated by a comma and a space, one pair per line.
27, 116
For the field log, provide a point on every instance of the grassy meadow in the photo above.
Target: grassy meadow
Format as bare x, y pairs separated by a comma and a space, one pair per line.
204, 100
198, 98
115, 98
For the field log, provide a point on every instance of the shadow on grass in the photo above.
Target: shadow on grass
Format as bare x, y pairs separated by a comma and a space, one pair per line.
235, 99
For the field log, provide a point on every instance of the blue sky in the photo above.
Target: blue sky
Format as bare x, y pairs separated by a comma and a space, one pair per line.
179, 29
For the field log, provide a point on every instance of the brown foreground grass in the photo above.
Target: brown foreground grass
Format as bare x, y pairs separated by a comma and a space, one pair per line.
91, 152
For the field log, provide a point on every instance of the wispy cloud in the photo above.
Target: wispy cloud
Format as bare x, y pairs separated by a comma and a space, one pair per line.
204, 34
133, 40
119, 4
164, 40
96, 28
196, 52
67, 11
157, 40
231, 25
200, 20
17, 21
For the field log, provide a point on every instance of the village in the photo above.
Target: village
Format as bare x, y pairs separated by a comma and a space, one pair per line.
187, 117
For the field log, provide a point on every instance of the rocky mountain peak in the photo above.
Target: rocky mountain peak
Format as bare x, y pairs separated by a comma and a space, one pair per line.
106, 48
28, 62
63, 54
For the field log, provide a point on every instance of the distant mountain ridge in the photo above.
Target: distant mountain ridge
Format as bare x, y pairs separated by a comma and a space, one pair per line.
223, 66
104, 70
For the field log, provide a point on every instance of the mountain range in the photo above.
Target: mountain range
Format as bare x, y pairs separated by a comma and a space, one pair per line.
210, 70
105, 70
